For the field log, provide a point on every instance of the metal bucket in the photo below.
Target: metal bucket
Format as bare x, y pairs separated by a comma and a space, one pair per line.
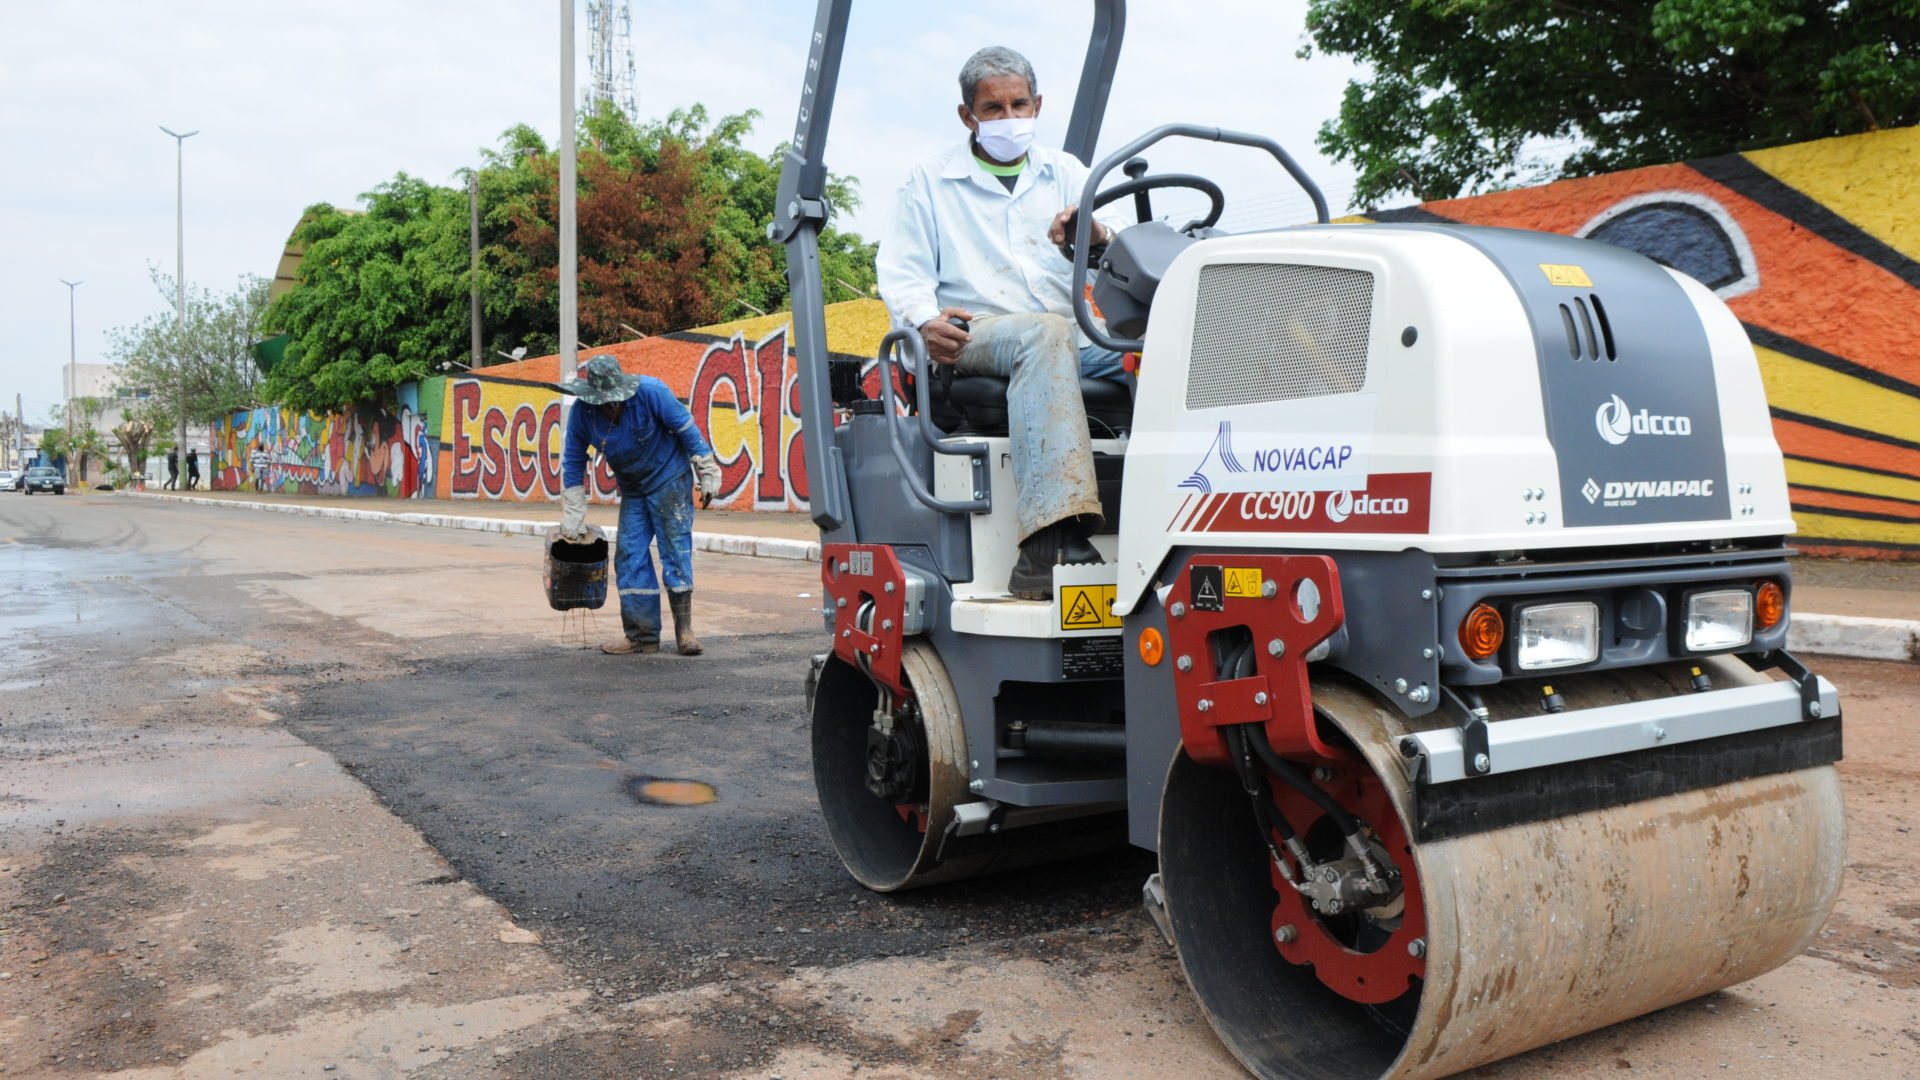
576, 574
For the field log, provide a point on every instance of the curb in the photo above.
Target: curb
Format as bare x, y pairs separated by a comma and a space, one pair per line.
1856, 636
1831, 635
764, 547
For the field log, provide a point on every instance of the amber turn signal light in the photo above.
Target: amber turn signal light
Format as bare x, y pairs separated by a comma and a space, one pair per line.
1482, 632
1769, 604
1152, 646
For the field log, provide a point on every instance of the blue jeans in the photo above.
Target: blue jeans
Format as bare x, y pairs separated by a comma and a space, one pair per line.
666, 514
1046, 419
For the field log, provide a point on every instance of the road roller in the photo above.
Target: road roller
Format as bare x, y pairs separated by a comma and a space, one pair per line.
1439, 649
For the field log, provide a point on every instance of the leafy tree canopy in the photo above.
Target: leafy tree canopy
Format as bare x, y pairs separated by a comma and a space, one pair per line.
202, 363
1467, 95
672, 218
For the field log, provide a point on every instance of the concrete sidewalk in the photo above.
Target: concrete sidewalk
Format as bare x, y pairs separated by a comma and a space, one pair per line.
1842, 607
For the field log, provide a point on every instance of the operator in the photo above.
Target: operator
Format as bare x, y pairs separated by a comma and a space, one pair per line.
648, 438
978, 235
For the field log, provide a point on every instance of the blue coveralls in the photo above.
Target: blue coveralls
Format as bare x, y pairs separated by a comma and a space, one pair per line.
650, 449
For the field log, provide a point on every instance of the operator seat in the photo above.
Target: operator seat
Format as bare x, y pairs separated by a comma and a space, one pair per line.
977, 404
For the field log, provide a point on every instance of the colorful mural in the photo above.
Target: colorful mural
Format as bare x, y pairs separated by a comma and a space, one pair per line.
369, 450
500, 428
1816, 247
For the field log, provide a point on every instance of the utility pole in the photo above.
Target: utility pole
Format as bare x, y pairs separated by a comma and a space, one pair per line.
180, 275
569, 185
72, 358
473, 261
19, 432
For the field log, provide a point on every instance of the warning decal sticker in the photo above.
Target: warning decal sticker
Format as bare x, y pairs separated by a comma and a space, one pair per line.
1209, 589
1573, 276
1087, 607
1243, 580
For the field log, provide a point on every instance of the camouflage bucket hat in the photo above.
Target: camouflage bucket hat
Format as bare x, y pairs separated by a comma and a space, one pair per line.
601, 382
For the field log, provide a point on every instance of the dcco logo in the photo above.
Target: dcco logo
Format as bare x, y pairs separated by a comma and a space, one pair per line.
1616, 422
1344, 504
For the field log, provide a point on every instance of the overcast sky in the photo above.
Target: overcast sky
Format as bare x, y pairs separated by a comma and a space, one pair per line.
300, 102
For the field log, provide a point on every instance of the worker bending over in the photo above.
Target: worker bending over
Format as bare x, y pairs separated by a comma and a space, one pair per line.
976, 235
647, 437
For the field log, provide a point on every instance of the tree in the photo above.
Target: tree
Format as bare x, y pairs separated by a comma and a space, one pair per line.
672, 234
134, 436
382, 297
1466, 95
203, 363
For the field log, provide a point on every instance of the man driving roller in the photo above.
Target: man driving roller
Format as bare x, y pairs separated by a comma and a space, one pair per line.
977, 236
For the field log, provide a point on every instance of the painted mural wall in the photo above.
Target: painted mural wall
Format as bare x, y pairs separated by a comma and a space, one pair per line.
369, 450
497, 434
1816, 247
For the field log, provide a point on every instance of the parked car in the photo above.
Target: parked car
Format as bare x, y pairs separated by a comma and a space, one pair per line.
9, 480
43, 478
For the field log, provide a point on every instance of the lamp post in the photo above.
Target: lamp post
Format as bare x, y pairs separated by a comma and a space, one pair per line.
72, 359
569, 243
180, 271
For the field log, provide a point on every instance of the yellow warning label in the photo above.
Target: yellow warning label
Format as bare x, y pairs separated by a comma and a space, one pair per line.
1243, 580
1558, 274
1087, 607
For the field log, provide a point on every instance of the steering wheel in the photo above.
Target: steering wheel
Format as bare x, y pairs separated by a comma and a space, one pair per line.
1138, 187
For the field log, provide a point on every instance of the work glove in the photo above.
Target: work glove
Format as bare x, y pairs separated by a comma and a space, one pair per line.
708, 472
573, 513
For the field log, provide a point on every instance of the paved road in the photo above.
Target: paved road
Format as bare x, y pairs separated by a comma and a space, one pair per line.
280, 794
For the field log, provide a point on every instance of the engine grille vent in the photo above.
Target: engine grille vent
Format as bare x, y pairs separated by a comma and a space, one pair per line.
1580, 317
1278, 332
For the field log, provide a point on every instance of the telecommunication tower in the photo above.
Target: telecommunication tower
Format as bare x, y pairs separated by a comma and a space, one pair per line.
610, 54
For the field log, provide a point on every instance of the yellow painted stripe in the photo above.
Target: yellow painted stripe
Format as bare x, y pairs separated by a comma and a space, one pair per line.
1864, 178
1810, 474
1802, 387
854, 327
1829, 527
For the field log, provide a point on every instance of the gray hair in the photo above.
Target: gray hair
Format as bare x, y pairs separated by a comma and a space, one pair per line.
989, 62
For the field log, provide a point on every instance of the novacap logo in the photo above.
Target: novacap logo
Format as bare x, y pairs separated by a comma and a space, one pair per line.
1616, 422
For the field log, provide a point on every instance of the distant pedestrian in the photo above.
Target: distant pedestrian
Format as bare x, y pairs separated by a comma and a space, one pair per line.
193, 469
173, 471
259, 463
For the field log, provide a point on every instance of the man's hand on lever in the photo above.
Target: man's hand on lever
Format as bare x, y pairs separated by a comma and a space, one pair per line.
1062, 230
944, 339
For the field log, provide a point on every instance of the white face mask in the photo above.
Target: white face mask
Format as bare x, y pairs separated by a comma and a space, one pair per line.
1008, 139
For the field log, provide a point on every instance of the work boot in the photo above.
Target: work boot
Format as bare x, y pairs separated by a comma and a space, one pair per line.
1061, 543
682, 604
621, 646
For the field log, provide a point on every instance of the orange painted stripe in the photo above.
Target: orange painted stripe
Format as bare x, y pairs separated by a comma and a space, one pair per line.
1806, 440
1810, 289
1828, 500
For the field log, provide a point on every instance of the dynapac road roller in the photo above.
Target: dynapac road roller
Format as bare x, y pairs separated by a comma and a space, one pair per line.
1439, 652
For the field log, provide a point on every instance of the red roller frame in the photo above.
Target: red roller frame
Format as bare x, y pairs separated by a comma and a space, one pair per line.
1276, 695
851, 575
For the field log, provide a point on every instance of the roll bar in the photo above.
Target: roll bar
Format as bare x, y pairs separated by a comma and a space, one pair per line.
923, 377
1083, 233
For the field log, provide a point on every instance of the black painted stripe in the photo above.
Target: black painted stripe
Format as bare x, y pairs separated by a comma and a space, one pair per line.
1410, 214
1844, 429
1787, 346
1853, 494
1871, 545
1755, 183
1852, 465
1861, 515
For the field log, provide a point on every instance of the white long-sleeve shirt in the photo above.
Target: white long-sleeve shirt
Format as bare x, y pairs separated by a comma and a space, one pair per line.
961, 239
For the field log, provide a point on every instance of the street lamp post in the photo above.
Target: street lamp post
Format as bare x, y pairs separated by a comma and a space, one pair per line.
180, 272
569, 243
72, 359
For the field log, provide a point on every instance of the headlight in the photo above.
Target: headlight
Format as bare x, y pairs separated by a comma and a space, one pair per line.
1558, 635
1722, 619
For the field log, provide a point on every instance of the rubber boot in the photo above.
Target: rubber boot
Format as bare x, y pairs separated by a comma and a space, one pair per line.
1060, 543
682, 604
623, 645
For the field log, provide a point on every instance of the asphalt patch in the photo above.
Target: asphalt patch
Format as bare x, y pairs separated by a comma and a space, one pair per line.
521, 770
